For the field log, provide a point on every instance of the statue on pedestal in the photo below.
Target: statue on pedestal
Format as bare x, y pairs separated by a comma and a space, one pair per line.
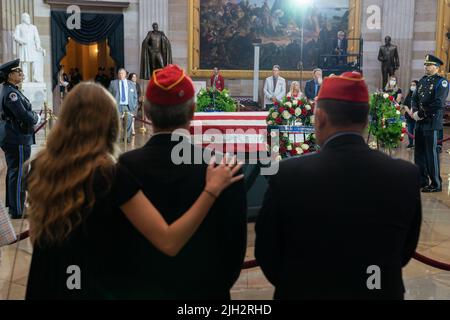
30, 51
156, 52
390, 61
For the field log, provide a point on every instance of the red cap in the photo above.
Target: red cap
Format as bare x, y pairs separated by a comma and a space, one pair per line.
350, 86
170, 86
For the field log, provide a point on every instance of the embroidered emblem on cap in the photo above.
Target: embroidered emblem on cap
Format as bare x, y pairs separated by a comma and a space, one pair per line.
13, 96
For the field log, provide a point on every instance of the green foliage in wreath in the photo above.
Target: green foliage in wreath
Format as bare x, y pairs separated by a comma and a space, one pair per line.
212, 100
386, 122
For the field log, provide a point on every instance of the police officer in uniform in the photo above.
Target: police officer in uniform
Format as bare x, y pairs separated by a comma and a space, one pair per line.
429, 102
16, 134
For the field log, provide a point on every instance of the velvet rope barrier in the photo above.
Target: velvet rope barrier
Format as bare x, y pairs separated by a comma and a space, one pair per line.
439, 141
143, 121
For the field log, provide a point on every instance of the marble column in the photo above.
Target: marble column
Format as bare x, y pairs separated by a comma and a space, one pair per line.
398, 22
150, 12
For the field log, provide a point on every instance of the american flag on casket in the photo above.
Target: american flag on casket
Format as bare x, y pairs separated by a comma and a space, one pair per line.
235, 131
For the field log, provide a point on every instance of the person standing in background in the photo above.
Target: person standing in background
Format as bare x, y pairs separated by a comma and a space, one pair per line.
408, 115
133, 78
274, 88
217, 80
312, 87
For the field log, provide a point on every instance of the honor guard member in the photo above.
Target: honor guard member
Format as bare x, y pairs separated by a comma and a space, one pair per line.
16, 134
429, 100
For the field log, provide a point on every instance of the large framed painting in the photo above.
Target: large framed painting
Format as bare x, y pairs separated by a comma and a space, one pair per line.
223, 33
443, 35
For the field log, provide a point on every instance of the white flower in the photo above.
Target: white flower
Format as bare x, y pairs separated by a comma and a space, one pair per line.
403, 135
305, 147
273, 134
278, 158
295, 103
313, 119
299, 123
299, 150
298, 112
286, 115
313, 136
227, 95
276, 149
286, 135
308, 107
289, 148
275, 115
386, 96
270, 122
404, 124
398, 113
288, 104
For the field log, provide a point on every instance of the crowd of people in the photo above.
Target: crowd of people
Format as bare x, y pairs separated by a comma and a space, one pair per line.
181, 229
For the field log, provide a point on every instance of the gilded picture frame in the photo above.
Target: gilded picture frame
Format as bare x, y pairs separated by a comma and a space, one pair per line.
194, 46
443, 28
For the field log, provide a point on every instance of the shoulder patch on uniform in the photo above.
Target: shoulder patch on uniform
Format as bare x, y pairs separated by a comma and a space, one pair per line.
13, 96
445, 83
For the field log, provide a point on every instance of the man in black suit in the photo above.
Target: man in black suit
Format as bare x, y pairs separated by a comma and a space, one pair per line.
211, 261
340, 47
312, 87
346, 235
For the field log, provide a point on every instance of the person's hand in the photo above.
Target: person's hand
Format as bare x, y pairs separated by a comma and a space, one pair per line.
416, 116
220, 177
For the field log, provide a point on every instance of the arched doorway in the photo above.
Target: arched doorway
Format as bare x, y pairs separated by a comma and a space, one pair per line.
99, 40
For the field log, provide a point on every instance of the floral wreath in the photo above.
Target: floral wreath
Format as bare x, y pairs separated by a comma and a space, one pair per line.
213, 100
292, 112
386, 121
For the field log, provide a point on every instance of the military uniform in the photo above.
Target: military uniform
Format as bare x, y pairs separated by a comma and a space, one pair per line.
16, 137
429, 100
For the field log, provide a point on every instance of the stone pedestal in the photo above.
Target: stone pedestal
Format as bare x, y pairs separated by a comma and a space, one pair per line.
36, 93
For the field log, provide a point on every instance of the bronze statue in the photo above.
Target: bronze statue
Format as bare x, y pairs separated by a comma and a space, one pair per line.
390, 62
156, 52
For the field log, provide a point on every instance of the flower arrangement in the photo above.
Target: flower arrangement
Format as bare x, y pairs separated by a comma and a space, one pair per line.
386, 122
213, 100
296, 112
291, 111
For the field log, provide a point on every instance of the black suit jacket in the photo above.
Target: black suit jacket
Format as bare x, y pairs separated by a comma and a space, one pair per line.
344, 46
329, 216
210, 263
310, 90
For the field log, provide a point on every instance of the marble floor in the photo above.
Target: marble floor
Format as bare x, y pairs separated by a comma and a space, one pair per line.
422, 282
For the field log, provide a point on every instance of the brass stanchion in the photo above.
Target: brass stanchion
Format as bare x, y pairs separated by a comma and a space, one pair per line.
45, 124
143, 129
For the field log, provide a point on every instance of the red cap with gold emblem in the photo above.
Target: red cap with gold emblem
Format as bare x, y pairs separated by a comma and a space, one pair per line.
350, 86
170, 86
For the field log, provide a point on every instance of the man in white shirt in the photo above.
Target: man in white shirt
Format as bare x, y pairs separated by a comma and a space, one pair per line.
125, 93
274, 88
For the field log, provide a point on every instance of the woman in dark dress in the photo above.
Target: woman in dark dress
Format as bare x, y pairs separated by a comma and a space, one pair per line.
133, 78
85, 210
409, 120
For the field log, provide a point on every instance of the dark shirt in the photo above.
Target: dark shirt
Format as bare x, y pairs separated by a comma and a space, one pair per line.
102, 247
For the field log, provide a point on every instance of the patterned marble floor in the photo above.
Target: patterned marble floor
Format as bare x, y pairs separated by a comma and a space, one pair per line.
422, 282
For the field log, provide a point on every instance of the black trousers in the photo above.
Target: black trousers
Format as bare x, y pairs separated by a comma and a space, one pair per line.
427, 158
387, 70
16, 156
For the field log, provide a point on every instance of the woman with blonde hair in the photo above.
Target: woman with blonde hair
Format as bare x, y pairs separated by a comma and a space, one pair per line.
75, 189
295, 91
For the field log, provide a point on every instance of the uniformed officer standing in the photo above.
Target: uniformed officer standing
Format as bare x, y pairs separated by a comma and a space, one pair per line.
16, 134
429, 100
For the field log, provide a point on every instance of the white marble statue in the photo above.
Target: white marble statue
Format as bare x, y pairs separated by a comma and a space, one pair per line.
30, 51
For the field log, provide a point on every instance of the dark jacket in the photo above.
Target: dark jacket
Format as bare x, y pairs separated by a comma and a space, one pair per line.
17, 117
343, 49
210, 263
347, 215
429, 100
388, 56
310, 89
408, 103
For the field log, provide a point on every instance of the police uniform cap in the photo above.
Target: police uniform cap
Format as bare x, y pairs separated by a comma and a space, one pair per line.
430, 59
7, 68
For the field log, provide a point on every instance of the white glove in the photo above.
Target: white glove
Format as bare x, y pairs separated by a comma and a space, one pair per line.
39, 119
416, 116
